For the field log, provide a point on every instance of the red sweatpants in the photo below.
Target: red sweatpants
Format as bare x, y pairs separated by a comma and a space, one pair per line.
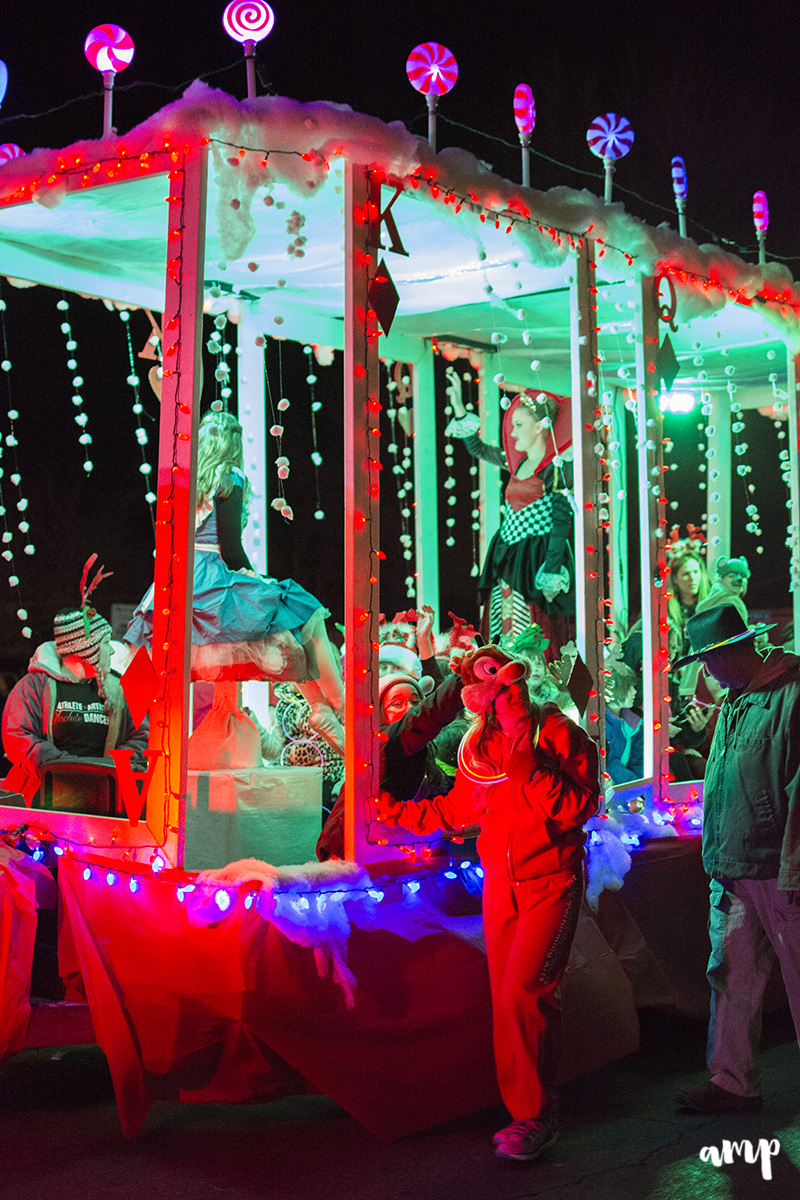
529, 929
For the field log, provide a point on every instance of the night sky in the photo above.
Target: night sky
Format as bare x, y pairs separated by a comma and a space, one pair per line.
695, 80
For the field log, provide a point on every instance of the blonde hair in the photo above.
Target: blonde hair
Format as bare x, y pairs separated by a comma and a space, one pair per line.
219, 453
674, 607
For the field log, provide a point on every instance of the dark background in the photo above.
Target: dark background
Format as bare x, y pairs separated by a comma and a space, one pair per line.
714, 85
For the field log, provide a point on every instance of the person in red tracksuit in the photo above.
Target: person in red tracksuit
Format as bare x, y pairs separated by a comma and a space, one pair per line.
529, 776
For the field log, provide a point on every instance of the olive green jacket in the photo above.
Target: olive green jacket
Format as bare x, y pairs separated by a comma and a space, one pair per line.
751, 821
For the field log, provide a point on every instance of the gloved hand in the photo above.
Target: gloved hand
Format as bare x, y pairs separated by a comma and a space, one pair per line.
389, 810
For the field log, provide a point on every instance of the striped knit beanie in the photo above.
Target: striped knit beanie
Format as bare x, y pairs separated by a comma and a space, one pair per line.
72, 637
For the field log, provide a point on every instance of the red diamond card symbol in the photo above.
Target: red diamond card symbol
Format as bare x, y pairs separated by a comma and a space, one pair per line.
383, 296
140, 685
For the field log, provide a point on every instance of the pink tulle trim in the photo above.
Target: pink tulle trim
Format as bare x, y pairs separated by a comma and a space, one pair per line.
279, 656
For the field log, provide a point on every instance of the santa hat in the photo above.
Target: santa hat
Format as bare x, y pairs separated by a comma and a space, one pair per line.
402, 658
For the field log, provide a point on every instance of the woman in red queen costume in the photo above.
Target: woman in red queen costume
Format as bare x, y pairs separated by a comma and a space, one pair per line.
529, 776
528, 575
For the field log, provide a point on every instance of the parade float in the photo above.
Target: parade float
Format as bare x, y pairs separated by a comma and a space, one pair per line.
318, 225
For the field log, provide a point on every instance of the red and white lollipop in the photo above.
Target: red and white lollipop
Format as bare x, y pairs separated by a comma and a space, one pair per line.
431, 69
248, 22
610, 137
525, 120
680, 187
9, 150
109, 48
760, 212
524, 110
761, 222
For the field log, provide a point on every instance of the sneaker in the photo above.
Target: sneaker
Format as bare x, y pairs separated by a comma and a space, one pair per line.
525, 1140
713, 1099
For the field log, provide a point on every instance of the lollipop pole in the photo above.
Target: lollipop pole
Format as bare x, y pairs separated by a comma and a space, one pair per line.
108, 102
761, 234
680, 204
250, 64
608, 163
524, 141
431, 98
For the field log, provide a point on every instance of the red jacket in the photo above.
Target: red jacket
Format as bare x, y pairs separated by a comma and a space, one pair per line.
531, 819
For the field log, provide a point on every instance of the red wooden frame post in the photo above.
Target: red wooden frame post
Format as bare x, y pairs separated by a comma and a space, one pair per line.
652, 506
589, 566
361, 516
177, 455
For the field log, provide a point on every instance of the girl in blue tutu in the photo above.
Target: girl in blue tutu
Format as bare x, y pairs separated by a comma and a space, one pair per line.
245, 625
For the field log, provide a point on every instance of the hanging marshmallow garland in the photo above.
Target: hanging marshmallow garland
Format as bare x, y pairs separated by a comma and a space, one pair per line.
85, 438
141, 433
279, 503
316, 457
222, 372
9, 442
399, 389
609, 137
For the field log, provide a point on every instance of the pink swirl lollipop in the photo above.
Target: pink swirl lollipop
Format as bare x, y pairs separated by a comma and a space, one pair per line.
248, 20
524, 108
431, 69
610, 136
109, 48
9, 150
760, 212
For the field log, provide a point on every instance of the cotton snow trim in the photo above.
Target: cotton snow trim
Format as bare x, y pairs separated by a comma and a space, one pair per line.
308, 904
609, 861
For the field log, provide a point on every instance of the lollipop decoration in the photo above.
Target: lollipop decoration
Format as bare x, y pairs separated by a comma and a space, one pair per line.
761, 222
525, 119
3, 80
610, 137
681, 190
109, 49
9, 150
248, 22
432, 70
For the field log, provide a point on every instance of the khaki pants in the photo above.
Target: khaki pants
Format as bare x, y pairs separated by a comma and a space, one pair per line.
750, 922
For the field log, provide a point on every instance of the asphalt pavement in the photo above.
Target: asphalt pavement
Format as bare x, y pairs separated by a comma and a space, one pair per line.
623, 1137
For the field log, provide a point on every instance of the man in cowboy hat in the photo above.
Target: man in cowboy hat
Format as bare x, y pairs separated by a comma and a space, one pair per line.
751, 848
